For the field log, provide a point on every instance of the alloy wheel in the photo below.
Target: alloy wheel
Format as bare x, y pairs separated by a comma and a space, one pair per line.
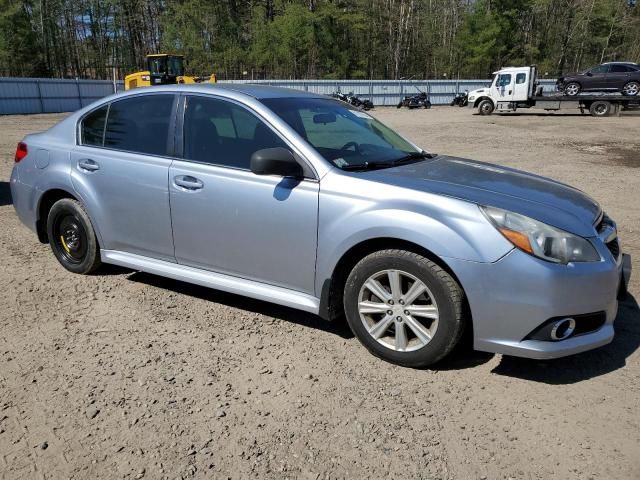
398, 310
631, 89
572, 89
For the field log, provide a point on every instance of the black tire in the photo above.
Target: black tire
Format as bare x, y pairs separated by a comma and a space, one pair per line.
485, 107
72, 238
572, 89
600, 108
399, 105
446, 292
631, 89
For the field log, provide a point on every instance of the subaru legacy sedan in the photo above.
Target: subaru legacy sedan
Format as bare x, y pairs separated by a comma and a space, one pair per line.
304, 201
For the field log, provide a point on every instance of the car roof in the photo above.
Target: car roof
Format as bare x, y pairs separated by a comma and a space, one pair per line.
250, 89
264, 91
622, 63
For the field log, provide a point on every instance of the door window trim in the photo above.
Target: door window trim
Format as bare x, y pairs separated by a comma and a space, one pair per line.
179, 134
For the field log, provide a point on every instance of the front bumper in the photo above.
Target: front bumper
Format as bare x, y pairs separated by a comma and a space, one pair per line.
518, 293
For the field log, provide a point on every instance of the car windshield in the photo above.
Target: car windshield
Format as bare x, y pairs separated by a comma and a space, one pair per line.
348, 138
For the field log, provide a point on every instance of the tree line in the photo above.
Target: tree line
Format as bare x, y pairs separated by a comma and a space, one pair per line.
298, 39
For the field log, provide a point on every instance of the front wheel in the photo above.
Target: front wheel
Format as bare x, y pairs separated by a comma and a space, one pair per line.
631, 89
404, 308
72, 238
485, 107
572, 89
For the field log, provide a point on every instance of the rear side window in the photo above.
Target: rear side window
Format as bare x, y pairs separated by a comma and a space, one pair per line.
521, 77
140, 124
621, 69
223, 133
92, 129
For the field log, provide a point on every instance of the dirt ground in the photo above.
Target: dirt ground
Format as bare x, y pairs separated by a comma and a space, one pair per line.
127, 375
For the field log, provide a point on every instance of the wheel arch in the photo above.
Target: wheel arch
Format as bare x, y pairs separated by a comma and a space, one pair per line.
479, 99
46, 201
331, 296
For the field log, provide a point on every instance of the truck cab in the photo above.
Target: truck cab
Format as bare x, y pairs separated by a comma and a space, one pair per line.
511, 88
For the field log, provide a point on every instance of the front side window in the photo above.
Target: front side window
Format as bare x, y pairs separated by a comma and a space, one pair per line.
223, 133
521, 78
600, 69
92, 128
504, 79
140, 124
343, 135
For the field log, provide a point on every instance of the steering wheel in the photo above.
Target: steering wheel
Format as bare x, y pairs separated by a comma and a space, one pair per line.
355, 146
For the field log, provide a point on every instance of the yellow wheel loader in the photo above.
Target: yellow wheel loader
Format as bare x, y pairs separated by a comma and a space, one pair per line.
163, 69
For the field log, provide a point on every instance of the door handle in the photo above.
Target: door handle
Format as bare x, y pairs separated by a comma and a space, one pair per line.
188, 182
88, 165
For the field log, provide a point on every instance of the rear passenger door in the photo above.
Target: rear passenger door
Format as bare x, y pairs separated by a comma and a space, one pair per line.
229, 220
120, 169
618, 76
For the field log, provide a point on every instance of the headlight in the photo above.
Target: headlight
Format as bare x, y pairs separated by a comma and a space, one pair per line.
541, 240
472, 97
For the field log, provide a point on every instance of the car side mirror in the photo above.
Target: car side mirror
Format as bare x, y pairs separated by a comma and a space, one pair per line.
275, 161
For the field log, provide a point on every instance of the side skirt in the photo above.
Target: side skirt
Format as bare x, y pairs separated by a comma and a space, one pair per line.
219, 281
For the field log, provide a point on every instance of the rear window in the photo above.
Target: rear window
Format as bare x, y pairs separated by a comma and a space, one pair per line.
140, 124
92, 129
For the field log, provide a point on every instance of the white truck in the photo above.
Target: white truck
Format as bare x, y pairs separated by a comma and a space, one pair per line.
513, 88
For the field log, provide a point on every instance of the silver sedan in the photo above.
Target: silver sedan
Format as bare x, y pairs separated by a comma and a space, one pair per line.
304, 201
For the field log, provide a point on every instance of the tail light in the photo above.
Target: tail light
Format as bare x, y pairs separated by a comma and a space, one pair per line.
21, 151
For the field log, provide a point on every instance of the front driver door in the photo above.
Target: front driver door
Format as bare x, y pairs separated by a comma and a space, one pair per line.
229, 220
503, 88
596, 78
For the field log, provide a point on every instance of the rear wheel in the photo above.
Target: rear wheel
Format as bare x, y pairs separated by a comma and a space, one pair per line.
72, 238
600, 108
485, 107
572, 89
631, 89
403, 307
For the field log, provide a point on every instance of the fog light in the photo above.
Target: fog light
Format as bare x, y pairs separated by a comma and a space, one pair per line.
563, 329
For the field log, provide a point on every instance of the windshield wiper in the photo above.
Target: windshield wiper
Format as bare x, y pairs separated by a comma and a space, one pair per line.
409, 158
367, 166
412, 157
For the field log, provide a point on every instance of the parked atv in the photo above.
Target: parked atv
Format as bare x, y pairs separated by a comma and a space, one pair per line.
461, 99
419, 100
354, 100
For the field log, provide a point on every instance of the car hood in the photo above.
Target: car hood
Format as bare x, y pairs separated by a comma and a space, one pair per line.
486, 184
478, 91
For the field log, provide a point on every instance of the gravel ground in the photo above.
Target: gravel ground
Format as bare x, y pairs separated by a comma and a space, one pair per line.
127, 375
